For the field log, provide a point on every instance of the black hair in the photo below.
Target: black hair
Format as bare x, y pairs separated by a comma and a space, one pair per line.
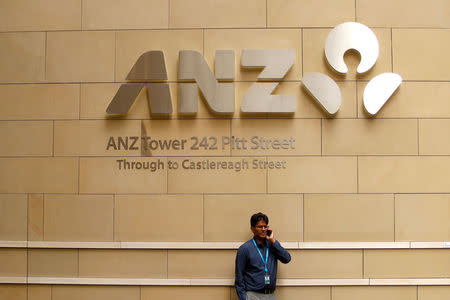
258, 217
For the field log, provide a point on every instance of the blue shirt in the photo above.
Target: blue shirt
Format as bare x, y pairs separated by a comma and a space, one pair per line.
250, 267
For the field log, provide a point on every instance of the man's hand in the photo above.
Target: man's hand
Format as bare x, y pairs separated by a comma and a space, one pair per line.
271, 238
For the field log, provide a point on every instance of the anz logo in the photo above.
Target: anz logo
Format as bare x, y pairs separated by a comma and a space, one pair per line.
218, 89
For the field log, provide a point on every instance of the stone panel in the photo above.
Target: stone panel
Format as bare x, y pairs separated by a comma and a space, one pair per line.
78, 218
67, 292
26, 138
87, 56
173, 218
35, 217
369, 137
53, 262
297, 292
217, 13
433, 292
13, 292
426, 48
30, 15
323, 264
433, 137
13, 217
184, 292
22, 57
39, 101
403, 13
407, 263
123, 263
374, 292
351, 217
304, 13
38, 175
13, 262
125, 14
39, 292
422, 217
409, 174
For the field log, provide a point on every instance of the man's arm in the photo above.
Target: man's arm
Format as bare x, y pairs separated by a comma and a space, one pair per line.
280, 253
241, 261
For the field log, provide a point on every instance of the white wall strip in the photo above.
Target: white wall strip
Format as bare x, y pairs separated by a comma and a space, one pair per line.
354, 245
411, 281
13, 244
222, 282
13, 280
84, 245
322, 282
180, 245
221, 245
108, 281
430, 244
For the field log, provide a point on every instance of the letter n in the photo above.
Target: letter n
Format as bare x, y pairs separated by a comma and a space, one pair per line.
193, 67
150, 66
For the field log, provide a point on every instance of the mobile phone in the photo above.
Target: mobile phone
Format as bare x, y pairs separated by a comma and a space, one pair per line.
269, 232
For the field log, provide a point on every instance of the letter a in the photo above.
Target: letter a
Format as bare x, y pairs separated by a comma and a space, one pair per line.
150, 66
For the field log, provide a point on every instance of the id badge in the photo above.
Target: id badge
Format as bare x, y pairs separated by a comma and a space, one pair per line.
267, 279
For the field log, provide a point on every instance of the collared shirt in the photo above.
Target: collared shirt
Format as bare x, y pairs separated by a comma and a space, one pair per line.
250, 267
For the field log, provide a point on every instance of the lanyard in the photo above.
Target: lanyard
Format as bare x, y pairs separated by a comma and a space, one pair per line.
267, 255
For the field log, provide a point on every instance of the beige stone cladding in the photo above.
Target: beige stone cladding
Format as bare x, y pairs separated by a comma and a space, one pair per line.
48, 292
148, 206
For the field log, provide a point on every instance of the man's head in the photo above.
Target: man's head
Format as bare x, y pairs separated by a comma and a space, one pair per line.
258, 225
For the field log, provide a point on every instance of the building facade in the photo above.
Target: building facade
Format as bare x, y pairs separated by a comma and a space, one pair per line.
147, 206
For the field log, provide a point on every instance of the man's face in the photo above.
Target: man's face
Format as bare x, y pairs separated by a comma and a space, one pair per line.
260, 230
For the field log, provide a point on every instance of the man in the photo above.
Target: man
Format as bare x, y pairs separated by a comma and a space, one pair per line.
257, 260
